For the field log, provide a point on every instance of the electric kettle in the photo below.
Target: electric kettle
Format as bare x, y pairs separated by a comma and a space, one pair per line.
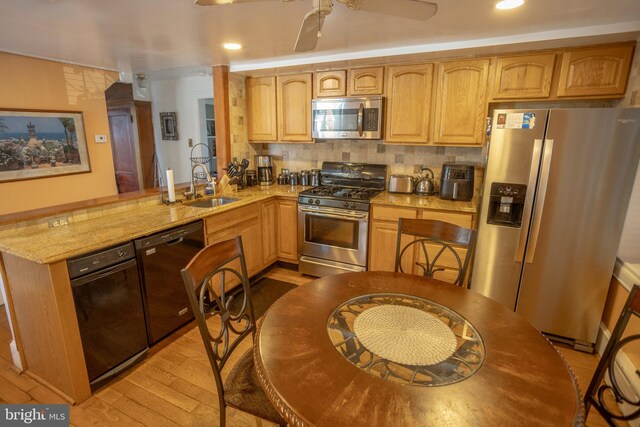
426, 186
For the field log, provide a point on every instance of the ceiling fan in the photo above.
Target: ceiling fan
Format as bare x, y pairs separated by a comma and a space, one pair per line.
312, 22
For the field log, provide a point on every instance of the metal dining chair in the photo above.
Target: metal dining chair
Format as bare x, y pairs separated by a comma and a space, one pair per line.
222, 329
595, 395
436, 248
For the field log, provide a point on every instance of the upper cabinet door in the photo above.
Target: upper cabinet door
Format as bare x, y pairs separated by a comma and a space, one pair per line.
330, 83
261, 109
294, 107
599, 71
461, 105
409, 89
526, 76
366, 81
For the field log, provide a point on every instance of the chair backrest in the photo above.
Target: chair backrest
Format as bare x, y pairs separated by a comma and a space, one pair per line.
596, 392
230, 328
436, 248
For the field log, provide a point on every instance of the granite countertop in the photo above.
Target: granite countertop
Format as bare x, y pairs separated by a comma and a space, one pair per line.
93, 229
424, 202
87, 232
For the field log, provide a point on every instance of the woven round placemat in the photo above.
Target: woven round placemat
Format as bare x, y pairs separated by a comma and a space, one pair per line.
405, 335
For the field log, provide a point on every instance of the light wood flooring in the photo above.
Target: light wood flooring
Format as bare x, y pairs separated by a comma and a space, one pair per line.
174, 385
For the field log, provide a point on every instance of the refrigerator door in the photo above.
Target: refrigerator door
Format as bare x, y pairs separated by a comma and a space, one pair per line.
514, 157
589, 163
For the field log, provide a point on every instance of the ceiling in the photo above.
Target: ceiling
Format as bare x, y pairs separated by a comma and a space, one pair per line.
176, 37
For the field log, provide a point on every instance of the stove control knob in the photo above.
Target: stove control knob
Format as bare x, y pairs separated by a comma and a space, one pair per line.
346, 204
310, 201
353, 205
317, 201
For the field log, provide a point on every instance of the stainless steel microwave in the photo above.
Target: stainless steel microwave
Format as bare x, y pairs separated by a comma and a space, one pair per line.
347, 118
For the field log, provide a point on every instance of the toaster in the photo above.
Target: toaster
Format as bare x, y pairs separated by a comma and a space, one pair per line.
401, 184
456, 181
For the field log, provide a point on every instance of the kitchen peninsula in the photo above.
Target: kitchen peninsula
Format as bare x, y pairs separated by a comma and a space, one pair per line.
34, 259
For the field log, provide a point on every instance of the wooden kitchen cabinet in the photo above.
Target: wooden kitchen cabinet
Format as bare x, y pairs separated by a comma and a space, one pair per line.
294, 107
366, 81
330, 83
245, 222
409, 89
287, 230
268, 213
523, 76
599, 71
262, 122
384, 232
461, 104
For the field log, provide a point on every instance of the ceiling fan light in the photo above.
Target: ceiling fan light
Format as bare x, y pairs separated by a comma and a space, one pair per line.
232, 46
509, 4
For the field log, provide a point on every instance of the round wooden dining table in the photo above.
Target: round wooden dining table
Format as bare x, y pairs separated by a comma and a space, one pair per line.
322, 359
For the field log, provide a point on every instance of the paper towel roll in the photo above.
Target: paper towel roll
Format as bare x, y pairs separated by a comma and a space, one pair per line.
171, 186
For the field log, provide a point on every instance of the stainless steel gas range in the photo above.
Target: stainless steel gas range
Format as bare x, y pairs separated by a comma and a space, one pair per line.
333, 218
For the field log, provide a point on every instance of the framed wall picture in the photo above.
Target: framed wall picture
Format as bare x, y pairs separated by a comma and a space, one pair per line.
169, 126
40, 144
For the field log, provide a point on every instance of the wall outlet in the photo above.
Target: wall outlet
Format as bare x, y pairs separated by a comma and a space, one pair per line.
101, 139
59, 222
190, 142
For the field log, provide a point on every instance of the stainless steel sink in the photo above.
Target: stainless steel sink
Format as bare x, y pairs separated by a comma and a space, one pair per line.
212, 202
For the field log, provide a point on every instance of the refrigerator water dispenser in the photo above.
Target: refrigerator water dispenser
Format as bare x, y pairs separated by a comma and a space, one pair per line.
506, 203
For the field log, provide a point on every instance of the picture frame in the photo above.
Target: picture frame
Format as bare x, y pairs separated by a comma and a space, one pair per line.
42, 144
169, 126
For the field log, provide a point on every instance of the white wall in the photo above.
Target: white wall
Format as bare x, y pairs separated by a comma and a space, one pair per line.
179, 95
629, 249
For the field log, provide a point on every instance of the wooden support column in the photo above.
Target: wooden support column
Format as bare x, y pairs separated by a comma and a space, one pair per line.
221, 115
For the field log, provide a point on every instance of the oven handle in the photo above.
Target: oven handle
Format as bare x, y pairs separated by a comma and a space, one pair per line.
335, 213
361, 119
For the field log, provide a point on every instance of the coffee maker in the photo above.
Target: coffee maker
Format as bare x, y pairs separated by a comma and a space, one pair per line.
265, 170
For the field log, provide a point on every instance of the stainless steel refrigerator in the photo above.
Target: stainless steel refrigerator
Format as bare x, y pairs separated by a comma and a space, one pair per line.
556, 191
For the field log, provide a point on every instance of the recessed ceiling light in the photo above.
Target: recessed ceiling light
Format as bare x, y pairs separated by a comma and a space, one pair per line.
232, 46
509, 4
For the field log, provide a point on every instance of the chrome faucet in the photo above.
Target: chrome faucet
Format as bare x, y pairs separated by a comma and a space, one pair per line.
191, 193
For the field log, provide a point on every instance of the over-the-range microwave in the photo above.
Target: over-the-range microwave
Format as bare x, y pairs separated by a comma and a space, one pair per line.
347, 118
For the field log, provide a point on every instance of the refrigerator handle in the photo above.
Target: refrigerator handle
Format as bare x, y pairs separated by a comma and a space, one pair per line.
528, 204
539, 205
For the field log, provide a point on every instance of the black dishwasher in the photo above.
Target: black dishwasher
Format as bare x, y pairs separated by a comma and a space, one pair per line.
108, 300
161, 257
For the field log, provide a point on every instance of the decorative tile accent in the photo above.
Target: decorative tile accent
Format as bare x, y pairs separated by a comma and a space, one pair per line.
399, 158
381, 148
346, 157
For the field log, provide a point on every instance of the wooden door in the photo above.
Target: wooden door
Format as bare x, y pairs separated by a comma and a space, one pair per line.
409, 103
145, 141
261, 109
122, 148
366, 81
601, 71
269, 244
330, 83
523, 76
288, 230
461, 105
294, 107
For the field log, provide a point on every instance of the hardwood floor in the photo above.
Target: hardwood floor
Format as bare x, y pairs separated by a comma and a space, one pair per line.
174, 385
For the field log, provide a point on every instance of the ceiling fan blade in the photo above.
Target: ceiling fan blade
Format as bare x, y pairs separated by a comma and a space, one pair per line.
411, 9
220, 2
308, 35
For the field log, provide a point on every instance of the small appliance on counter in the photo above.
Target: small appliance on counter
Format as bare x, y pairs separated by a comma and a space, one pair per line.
456, 182
426, 185
401, 184
265, 170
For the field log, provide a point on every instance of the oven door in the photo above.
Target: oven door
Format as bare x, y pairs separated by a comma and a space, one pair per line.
335, 235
